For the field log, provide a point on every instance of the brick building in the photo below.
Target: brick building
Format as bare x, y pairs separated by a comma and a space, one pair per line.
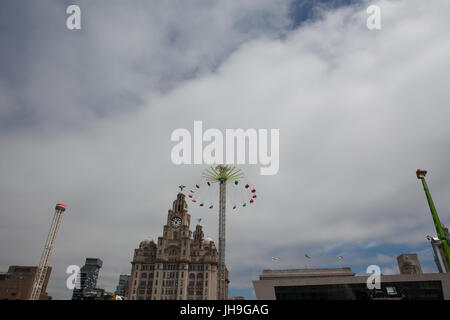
17, 283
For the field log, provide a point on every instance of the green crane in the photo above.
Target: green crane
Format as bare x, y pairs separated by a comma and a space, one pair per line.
437, 223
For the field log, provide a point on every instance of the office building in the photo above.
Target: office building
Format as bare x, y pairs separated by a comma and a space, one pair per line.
122, 286
87, 288
408, 263
17, 283
343, 284
182, 265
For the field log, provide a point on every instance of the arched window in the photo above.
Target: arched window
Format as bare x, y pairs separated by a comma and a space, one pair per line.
192, 276
144, 275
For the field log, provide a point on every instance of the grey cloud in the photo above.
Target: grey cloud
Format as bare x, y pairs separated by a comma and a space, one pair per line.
125, 49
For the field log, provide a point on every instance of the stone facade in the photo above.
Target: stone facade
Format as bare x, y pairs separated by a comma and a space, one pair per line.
408, 263
182, 265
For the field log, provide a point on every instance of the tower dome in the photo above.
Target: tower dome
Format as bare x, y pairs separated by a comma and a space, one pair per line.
145, 242
208, 240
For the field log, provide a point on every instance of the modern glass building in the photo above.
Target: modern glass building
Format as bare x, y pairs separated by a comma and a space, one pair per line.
343, 284
88, 281
400, 290
121, 289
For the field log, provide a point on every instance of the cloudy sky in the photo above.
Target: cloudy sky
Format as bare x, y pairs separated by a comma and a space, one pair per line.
86, 118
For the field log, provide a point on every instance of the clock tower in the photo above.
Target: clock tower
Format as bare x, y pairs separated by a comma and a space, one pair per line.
176, 233
178, 217
181, 265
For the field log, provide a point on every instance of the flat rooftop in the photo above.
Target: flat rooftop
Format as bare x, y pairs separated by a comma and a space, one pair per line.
306, 273
271, 279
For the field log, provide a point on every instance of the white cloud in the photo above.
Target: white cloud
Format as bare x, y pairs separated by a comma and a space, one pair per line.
390, 271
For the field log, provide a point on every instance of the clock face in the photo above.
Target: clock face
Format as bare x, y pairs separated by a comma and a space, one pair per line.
176, 222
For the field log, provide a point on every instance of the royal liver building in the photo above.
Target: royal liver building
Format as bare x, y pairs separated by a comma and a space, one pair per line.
181, 266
